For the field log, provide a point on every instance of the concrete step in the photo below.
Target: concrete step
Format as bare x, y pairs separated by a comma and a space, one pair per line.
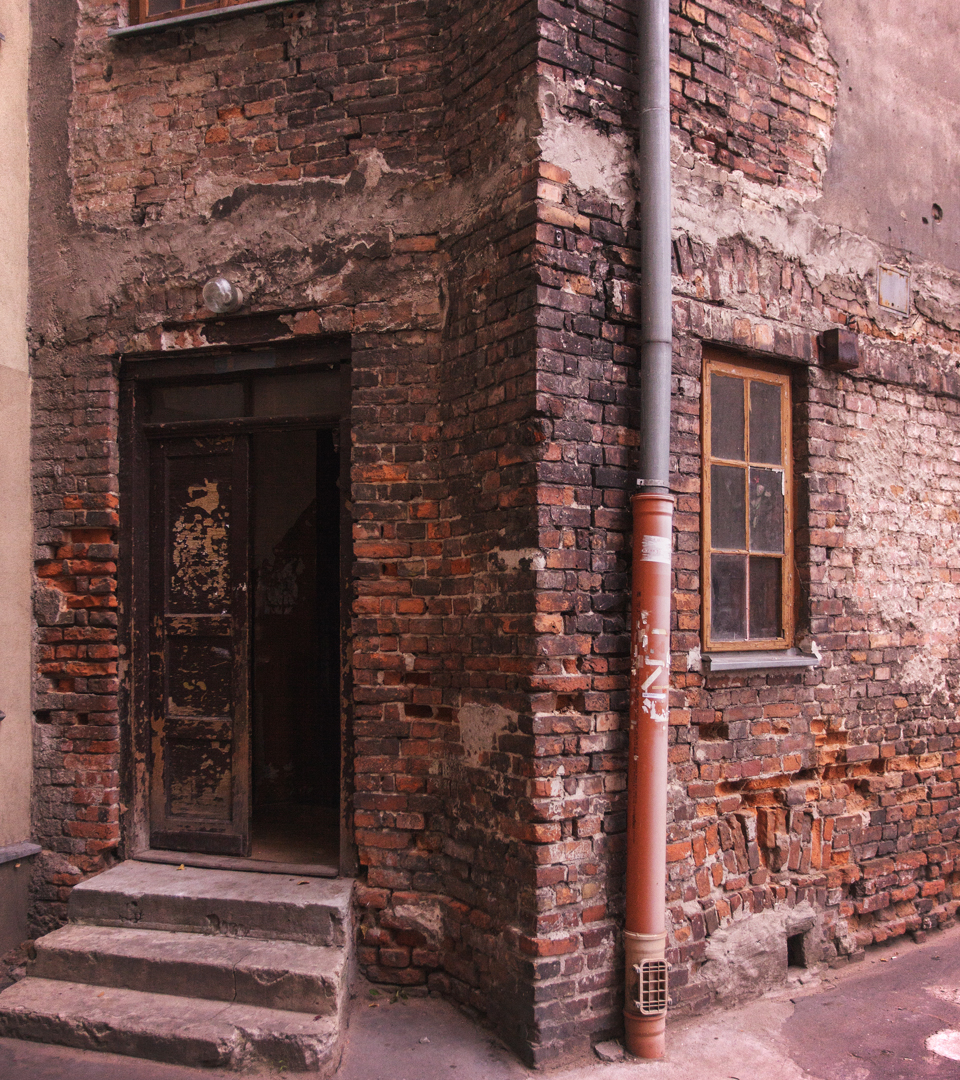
187, 1031
276, 974
154, 896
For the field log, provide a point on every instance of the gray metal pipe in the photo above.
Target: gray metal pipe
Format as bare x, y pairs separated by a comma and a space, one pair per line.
656, 316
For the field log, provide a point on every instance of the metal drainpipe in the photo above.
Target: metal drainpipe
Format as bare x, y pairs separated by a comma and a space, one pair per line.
644, 934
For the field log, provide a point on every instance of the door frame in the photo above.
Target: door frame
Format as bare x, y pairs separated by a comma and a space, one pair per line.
137, 373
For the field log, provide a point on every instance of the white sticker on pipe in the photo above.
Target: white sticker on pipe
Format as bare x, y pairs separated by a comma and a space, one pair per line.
655, 549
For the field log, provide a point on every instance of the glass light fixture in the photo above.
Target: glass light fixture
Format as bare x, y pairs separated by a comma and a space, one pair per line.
221, 295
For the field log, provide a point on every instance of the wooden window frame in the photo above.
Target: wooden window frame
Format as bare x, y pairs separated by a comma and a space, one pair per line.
722, 363
139, 9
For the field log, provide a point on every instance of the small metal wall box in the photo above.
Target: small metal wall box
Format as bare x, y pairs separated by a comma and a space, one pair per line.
893, 289
839, 349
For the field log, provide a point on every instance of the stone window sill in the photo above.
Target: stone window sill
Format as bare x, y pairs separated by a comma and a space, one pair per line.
716, 663
15, 852
213, 15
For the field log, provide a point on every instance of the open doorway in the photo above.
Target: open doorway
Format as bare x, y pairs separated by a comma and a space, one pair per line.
236, 598
295, 646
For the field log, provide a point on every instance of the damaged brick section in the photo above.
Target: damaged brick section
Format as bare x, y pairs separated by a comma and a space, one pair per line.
458, 202
75, 697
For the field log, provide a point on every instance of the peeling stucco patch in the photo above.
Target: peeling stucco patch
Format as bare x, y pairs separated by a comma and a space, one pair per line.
517, 559
479, 727
596, 162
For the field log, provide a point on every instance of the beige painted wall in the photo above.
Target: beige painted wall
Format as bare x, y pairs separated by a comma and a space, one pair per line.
898, 126
15, 567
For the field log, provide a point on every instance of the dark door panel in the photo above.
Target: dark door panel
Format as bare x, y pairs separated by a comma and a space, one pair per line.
199, 696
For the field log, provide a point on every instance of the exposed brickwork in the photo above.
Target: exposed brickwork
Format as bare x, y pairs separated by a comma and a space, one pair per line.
831, 786
76, 518
451, 185
754, 87
295, 94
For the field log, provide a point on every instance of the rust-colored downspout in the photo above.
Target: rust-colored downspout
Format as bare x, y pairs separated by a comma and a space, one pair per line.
644, 934
645, 923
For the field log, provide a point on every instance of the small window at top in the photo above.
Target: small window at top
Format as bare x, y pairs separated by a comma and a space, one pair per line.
214, 401
147, 10
309, 393
300, 393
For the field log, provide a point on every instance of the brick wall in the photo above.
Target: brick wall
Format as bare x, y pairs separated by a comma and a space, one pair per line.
75, 521
836, 785
452, 185
164, 125
449, 880
754, 88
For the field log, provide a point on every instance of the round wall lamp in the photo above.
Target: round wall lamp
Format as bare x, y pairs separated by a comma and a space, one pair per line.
221, 295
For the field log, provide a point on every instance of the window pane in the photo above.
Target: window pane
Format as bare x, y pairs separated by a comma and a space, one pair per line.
765, 423
728, 518
305, 393
161, 7
726, 418
213, 401
728, 606
765, 605
766, 510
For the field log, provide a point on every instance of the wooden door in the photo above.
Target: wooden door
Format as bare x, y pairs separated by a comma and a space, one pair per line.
199, 671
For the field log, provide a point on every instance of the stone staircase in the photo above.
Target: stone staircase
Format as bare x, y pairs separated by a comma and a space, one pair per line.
197, 967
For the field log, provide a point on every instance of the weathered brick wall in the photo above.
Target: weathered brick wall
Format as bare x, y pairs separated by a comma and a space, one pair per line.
584, 427
754, 88
439, 619
781, 787
77, 738
452, 895
163, 126
453, 185
203, 127
836, 785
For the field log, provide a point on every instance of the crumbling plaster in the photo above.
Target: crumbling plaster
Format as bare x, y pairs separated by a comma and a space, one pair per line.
840, 233
837, 249
902, 465
749, 955
329, 242
597, 160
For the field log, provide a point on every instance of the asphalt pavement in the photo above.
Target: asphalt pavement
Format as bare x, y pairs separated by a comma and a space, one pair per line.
894, 1016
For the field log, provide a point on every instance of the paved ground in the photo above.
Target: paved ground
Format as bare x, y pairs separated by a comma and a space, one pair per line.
896, 1016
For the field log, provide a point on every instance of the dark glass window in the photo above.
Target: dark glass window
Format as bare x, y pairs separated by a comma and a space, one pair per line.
261, 394
747, 519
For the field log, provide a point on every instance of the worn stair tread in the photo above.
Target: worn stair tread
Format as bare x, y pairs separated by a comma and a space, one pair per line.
187, 1031
278, 974
231, 902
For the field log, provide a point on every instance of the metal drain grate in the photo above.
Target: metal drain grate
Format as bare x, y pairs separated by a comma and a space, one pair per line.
652, 985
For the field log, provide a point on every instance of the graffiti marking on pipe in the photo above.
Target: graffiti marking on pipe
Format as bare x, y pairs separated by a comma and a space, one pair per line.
650, 697
648, 682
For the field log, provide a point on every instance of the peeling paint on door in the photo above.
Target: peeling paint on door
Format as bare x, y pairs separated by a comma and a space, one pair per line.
200, 554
